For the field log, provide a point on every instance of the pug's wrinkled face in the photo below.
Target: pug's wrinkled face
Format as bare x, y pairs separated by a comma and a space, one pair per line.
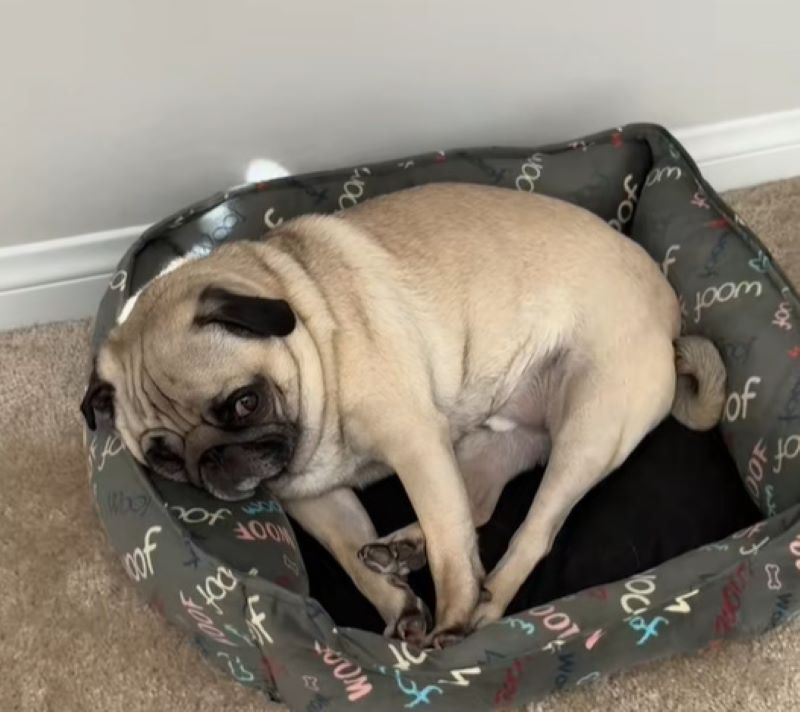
200, 384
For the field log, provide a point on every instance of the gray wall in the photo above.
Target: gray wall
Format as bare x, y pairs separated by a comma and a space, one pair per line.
116, 112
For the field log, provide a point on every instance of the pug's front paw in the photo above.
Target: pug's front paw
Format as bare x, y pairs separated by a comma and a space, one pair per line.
444, 638
399, 556
413, 623
485, 613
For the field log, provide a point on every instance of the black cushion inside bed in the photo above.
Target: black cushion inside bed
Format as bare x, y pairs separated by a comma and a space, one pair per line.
677, 491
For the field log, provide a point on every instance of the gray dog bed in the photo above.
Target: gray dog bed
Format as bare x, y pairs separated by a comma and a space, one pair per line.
232, 575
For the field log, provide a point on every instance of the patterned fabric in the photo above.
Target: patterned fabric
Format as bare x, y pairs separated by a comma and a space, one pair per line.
231, 574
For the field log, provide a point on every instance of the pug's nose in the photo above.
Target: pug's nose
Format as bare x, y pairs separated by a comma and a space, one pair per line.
226, 465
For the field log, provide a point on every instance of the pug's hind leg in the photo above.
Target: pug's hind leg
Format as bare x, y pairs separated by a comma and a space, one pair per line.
340, 523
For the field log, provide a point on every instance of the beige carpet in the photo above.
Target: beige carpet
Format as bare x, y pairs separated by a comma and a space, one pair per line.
74, 637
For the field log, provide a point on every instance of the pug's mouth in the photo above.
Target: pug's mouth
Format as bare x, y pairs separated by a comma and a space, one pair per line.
235, 471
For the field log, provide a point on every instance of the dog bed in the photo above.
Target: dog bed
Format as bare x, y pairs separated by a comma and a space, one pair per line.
233, 577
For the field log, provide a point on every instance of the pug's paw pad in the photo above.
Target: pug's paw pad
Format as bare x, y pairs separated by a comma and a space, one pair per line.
399, 557
413, 624
440, 639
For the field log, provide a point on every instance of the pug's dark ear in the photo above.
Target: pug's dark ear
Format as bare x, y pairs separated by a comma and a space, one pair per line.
99, 398
253, 317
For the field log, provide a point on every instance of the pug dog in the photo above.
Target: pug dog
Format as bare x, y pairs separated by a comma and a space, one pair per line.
453, 334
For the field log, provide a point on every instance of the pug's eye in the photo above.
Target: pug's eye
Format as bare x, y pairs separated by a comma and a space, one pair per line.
245, 404
239, 408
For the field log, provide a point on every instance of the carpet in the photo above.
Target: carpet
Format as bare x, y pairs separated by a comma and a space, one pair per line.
74, 637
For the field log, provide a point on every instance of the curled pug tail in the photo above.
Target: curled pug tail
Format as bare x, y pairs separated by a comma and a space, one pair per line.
700, 389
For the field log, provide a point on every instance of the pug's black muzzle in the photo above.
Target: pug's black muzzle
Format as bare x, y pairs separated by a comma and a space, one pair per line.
232, 469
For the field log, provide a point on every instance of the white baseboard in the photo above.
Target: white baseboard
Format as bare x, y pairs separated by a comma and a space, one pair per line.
746, 152
55, 301
66, 278
60, 279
